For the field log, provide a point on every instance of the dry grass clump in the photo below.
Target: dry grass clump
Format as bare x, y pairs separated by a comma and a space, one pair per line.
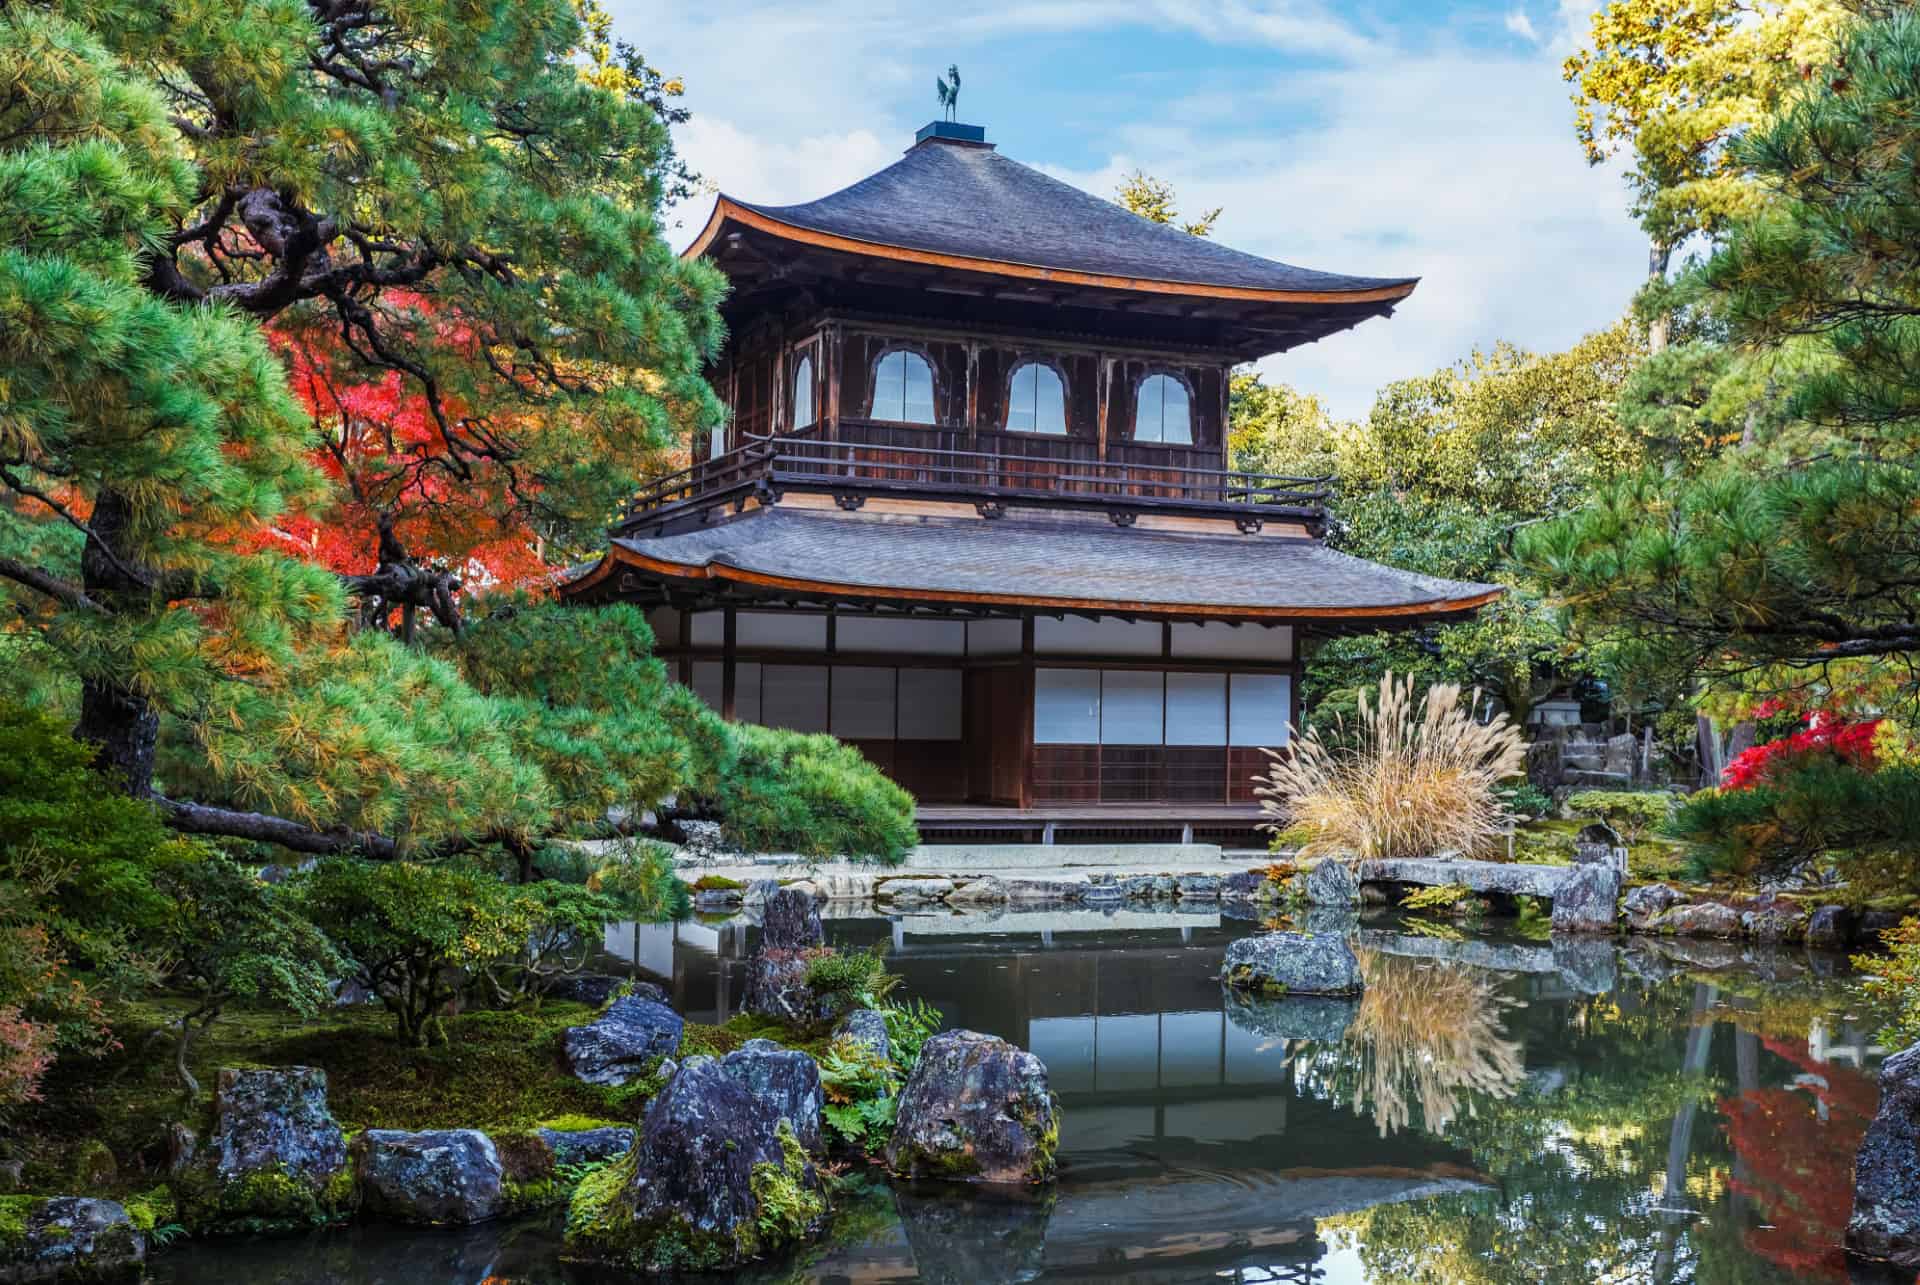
1415, 777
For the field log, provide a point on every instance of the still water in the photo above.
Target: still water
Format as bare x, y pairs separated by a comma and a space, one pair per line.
1489, 1111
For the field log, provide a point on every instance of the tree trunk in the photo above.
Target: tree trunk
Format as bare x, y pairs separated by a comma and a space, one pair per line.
120, 723
1660, 328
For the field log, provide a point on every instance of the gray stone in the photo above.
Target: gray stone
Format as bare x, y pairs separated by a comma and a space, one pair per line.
1622, 755
274, 1119
587, 1146
1197, 887
1643, 904
72, 1237
1587, 901
1886, 1172
1830, 928
777, 986
1321, 1018
915, 890
1144, 887
786, 1080
989, 891
1292, 964
684, 1199
1874, 922
1513, 879
1052, 889
436, 1176
598, 988
1243, 885
623, 1042
1106, 891
1698, 919
790, 920
1777, 922
975, 1109
837, 885
865, 1026
1331, 882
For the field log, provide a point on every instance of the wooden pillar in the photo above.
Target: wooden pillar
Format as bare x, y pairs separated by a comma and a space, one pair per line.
1025, 740
1102, 395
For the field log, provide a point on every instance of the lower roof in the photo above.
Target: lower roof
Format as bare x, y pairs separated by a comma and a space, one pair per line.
1065, 563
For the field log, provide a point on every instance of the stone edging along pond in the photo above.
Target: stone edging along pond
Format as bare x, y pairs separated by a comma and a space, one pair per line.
1604, 906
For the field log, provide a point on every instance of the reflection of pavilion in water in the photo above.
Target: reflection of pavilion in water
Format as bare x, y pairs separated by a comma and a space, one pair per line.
1178, 1123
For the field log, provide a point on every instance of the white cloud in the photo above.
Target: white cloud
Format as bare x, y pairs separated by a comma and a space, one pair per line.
1404, 157
1522, 26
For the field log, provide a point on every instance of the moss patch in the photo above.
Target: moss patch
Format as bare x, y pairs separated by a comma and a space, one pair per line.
13, 1218
496, 1071
716, 883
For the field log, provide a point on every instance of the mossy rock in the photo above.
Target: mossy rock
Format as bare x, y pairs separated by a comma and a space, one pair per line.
725, 1181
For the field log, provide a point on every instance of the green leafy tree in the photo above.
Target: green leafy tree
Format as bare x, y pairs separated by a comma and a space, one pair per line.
1798, 554
1439, 478
235, 939
1154, 200
437, 184
413, 933
1676, 84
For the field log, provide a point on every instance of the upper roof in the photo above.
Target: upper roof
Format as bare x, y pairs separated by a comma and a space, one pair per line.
1043, 563
966, 206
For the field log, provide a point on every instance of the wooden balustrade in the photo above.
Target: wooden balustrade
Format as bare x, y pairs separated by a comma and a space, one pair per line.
860, 456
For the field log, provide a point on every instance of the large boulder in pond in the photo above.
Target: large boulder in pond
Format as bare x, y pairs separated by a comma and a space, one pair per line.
790, 921
716, 1179
975, 1109
69, 1238
1886, 1172
1292, 964
622, 1043
435, 1176
1587, 901
777, 985
275, 1155
786, 1080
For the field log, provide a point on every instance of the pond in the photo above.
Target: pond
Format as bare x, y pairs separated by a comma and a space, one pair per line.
1491, 1111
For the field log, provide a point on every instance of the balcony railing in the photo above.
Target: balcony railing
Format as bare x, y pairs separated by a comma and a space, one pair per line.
1015, 471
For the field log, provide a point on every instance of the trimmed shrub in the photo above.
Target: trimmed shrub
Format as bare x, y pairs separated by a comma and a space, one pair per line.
1633, 814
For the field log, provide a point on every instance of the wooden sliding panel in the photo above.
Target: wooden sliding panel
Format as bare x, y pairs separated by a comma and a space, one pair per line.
1196, 752
1132, 735
1259, 713
1066, 736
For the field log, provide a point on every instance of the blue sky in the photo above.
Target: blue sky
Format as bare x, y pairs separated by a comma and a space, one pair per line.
1383, 139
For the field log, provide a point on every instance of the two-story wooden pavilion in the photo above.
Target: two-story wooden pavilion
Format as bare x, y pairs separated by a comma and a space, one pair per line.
972, 511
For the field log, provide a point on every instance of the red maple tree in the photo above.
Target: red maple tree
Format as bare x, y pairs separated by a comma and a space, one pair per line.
428, 505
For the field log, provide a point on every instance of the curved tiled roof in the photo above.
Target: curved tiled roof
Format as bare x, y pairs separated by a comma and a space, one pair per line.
970, 202
1043, 562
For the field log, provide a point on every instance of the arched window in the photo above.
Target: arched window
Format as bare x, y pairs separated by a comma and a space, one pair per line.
903, 388
1162, 414
803, 394
1036, 400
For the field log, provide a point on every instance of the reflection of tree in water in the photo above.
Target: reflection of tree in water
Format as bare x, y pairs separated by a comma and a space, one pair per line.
1428, 1033
1607, 1169
1793, 1150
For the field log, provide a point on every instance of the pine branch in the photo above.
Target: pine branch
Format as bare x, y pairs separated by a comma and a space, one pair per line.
61, 591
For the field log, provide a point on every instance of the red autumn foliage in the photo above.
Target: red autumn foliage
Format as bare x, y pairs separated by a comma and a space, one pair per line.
1796, 1146
382, 445
1824, 735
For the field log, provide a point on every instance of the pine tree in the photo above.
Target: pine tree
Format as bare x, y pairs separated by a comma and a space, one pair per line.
1801, 550
435, 184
